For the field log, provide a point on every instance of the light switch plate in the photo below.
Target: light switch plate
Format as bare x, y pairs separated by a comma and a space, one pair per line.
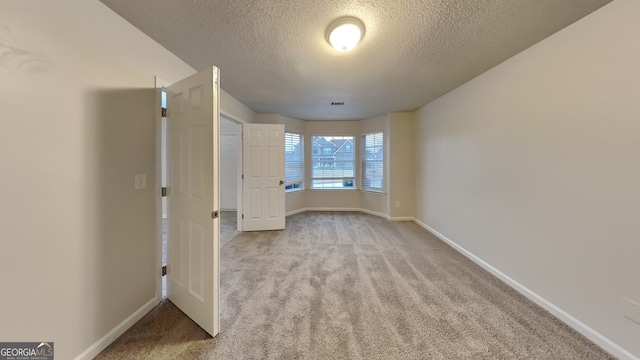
140, 181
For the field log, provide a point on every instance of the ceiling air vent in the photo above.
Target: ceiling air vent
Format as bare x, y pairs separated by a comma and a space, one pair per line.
335, 103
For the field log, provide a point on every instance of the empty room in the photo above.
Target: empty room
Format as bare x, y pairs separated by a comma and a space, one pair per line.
449, 180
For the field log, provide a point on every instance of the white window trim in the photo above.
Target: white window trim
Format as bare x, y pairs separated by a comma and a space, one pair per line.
363, 162
295, 181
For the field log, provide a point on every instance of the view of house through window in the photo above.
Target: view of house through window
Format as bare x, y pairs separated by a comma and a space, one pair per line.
372, 161
333, 162
293, 161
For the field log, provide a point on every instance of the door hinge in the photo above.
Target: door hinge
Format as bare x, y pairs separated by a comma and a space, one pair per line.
164, 112
242, 176
164, 270
243, 216
215, 214
164, 192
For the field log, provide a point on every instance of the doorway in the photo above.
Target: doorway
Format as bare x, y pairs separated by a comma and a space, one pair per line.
230, 178
163, 185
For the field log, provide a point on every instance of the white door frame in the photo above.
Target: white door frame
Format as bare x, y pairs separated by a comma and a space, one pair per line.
240, 123
159, 84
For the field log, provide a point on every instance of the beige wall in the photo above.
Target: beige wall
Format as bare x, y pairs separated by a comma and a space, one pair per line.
533, 167
267, 118
293, 125
402, 165
234, 109
78, 116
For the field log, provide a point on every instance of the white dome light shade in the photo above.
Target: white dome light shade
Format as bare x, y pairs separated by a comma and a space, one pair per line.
345, 33
345, 37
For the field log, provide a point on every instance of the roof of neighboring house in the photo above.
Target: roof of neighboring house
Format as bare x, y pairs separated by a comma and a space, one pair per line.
324, 142
340, 143
337, 143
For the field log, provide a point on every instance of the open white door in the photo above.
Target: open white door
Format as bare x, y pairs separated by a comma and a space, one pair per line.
263, 168
193, 242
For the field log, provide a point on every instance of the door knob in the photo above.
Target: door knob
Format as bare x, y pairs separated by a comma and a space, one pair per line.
281, 182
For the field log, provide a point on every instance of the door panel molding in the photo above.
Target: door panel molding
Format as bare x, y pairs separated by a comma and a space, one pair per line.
193, 237
263, 184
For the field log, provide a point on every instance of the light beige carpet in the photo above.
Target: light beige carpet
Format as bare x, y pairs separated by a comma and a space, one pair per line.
354, 286
228, 226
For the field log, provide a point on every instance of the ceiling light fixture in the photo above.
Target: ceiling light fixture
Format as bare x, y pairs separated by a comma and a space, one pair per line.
345, 33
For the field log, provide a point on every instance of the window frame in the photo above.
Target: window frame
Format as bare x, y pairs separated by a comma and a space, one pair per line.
289, 182
366, 162
353, 161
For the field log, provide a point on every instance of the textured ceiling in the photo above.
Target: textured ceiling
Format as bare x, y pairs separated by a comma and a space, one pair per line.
273, 55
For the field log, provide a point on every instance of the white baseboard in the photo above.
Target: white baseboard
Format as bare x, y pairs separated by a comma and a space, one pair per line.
370, 212
602, 341
331, 209
295, 212
112, 335
374, 213
401, 218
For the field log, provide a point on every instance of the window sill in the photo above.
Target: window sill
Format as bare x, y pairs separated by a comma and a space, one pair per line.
332, 189
372, 191
294, 191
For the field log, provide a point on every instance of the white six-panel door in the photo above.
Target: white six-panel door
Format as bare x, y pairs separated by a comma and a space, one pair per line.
193, 266
263, 169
